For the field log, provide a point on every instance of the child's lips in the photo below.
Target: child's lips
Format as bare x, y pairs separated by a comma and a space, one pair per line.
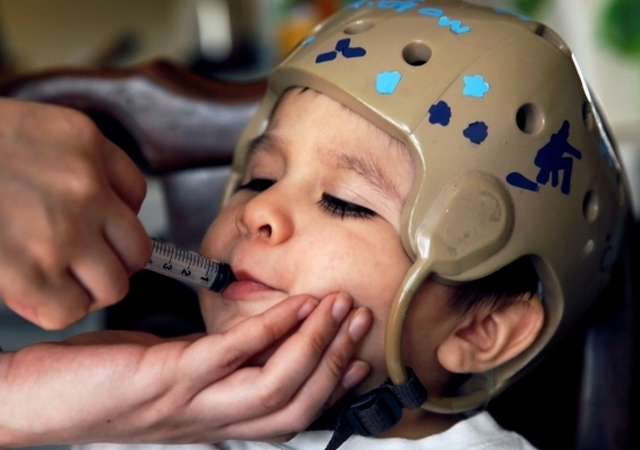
243, 287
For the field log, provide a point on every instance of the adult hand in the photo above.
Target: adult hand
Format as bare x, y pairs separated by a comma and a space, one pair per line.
124, 387
70, 236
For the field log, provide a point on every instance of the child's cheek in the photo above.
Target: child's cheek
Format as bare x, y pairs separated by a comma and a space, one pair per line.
219, 234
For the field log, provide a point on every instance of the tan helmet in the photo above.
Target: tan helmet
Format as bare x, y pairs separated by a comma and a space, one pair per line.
512, 156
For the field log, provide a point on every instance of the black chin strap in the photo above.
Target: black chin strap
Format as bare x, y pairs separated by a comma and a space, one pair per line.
373, 413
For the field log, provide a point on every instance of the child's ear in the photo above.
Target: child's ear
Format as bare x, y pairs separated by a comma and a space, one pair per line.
487, 338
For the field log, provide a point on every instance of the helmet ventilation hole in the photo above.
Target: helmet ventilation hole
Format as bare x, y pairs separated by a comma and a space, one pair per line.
416, 53
359, 26
590, 206
529, 118
553, 38
587, 116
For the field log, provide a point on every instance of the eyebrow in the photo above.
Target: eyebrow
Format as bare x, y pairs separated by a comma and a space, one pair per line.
265, 142
363, 166
370, 170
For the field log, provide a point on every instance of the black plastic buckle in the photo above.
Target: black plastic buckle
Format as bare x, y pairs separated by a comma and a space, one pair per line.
379, 402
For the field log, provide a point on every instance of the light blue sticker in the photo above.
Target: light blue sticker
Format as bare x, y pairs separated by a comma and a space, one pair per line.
432, 12
399, 5
475, 86
511, 13
386, 82
443, 21
454, 25
309, 40
406, 6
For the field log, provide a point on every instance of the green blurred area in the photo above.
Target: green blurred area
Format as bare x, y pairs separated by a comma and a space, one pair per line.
529, 7
620, 26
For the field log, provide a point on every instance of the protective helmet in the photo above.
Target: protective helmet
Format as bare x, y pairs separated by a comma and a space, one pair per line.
512, 156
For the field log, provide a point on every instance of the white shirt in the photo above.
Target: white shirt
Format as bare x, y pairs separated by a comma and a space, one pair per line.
479, 432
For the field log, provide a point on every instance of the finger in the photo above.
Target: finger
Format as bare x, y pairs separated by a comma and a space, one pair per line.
337, 373
325, 385
127, 238
51, 302
124, 177
101, 273
216, 356
290, 365
309, 344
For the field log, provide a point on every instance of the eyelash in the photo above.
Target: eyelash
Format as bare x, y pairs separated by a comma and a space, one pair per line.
344, 209
329, 203
257, 185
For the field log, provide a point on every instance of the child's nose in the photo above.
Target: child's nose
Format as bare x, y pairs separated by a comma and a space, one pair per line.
266, 216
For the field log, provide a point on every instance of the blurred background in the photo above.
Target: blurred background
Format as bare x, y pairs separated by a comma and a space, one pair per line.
243, 39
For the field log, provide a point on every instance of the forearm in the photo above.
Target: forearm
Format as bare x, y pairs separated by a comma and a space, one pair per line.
134, 387
60, 393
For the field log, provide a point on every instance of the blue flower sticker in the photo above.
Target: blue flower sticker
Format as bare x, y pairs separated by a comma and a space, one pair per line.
476, 132
475, 86
440, 113
386, 82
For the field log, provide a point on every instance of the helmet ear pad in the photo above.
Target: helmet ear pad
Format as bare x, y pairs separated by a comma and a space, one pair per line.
488, 337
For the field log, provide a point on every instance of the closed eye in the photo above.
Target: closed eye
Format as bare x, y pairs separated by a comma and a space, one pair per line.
257, 185
343, 209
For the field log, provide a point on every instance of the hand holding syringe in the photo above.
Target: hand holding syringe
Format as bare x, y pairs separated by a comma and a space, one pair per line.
185, 265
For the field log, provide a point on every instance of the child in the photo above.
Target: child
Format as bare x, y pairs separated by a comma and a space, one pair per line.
444, 165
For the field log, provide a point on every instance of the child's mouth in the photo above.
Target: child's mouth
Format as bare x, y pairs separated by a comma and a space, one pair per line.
243, 287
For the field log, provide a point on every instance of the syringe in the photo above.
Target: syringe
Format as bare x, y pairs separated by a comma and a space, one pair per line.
185, 265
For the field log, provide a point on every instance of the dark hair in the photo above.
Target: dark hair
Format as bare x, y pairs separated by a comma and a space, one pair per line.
498, 289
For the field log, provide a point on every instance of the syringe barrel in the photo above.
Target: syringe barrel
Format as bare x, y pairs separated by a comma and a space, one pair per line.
188, 266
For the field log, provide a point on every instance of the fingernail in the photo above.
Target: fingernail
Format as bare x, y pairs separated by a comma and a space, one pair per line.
341, 307
360, 323
354, 374
306, 308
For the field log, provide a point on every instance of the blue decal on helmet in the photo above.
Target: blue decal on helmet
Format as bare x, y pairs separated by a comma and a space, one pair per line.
551, 160
309, 40
476, 132
386, 82
440, 113
511, 13
342, 46
475, 86
518, 180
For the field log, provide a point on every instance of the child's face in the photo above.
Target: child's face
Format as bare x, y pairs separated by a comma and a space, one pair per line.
318, 212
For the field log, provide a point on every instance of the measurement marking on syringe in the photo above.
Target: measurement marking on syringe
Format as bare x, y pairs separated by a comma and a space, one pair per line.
189, 266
